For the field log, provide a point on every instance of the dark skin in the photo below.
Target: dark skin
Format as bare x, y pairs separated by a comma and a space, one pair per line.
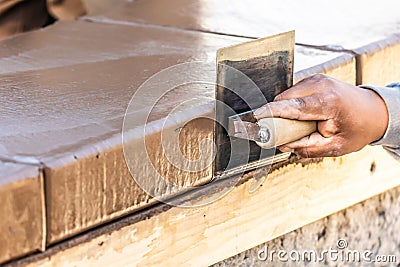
348, 117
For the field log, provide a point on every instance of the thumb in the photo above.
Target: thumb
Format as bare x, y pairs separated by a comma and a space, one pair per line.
302, 108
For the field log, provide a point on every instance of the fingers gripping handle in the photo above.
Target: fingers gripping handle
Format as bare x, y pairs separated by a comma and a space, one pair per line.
278, 131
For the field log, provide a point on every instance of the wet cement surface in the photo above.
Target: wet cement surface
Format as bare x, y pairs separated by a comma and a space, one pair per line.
84, 77
345, 23
53, 110
69, 43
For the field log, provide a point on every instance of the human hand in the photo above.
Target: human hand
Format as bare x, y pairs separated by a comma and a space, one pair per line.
348, 117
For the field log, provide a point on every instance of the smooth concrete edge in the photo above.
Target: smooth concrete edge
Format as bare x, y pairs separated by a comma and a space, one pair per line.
93, 171
30, 178
362, 53
343, 59
25, 170
378, 45
136, 134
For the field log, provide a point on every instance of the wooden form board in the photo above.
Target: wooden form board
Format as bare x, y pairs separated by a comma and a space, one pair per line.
292, 196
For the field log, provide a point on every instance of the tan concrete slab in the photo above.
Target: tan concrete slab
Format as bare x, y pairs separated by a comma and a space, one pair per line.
68, 113
347, 23
22, 223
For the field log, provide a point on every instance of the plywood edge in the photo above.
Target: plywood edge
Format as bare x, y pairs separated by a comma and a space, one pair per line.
292, 196
42, 247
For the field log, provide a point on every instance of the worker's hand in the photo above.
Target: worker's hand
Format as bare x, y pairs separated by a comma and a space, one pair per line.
348, 117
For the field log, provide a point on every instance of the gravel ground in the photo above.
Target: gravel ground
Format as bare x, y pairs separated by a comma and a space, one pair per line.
368, 229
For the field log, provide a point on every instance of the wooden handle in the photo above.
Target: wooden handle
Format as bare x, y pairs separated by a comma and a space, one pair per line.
278, 131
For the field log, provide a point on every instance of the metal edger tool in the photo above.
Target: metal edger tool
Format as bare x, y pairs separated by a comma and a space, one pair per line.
249, 75
269, 132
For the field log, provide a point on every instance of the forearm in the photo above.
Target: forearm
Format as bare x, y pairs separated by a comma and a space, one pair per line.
391, 96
